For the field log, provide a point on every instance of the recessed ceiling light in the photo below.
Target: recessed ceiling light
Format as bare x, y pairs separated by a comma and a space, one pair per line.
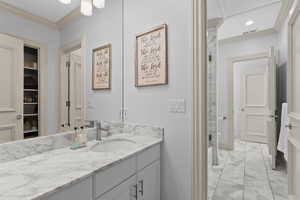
65, 1
249, 23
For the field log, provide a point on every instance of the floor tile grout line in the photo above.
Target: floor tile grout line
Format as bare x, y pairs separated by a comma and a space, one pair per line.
267, 172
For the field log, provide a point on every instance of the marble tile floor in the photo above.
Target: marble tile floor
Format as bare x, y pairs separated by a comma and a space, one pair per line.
246, 174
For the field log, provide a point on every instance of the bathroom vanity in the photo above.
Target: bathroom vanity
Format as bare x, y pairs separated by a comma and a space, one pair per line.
123, 166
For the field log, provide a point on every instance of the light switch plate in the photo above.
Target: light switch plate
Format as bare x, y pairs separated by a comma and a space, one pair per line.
89, 105
177, 106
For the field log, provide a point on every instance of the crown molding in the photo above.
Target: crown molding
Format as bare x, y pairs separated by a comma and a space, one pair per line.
248, 36
24, 14
214, 23
27, 15
286, 6
68, 18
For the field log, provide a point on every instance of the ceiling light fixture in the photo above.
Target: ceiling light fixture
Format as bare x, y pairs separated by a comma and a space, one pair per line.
65, 1
86, 7
99, 3
249, 23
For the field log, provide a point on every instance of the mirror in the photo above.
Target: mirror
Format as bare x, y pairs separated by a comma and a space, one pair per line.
58, 67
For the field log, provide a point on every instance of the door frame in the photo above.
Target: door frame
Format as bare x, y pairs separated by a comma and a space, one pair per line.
292, 144
199, 112
229, 145
43, 80
66, 48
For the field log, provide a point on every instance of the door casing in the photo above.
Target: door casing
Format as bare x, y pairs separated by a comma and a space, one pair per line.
229, 142
294, 115
43, 80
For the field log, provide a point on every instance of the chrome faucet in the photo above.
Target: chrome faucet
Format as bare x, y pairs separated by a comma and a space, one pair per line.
99, 129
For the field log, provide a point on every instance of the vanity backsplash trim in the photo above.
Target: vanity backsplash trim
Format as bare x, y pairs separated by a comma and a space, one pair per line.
29, 147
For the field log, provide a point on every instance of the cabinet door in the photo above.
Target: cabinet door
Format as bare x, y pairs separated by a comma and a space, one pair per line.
149, 182
126, 191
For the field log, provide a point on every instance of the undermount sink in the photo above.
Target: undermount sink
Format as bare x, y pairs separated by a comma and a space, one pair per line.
112, 145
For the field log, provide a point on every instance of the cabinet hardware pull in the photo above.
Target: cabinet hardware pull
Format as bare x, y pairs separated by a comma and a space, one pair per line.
135, 195
141, 191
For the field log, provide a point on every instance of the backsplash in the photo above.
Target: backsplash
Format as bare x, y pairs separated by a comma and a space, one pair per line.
23, 148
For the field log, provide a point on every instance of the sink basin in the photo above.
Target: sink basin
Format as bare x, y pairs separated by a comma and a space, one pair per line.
113, 145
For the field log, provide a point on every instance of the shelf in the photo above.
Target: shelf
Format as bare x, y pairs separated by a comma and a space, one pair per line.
30, 115
31, 131
31, 90
33, 103
29, 68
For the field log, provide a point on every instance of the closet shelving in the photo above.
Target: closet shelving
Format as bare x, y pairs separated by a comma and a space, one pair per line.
31, 92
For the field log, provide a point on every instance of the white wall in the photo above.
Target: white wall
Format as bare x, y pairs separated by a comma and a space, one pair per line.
234, 49
11, 24
150, 104
104, 27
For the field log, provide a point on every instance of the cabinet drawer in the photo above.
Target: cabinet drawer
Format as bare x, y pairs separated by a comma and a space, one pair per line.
124, 191
78, 191
111, 177
148, 156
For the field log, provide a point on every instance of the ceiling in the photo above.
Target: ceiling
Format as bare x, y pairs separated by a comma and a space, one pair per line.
51, 10
236, 13
228, 8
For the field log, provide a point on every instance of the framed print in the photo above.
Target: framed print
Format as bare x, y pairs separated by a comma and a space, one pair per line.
102, 68
152, 57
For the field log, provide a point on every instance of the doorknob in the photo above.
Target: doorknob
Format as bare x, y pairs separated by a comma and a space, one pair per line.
289, 126
242, 109
274, 116
19, 117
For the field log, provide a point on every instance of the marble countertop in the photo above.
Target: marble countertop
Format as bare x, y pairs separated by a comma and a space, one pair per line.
37, 176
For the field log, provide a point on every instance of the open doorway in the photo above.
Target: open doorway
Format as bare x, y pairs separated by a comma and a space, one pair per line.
244, 102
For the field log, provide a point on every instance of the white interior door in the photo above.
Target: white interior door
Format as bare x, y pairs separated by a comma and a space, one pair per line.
76, 87
11, 88
294, 106
254, 99
64, 90
72, 91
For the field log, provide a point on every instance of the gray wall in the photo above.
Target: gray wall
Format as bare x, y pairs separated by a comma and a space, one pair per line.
11, 24
105, 26
145, 105
150, 104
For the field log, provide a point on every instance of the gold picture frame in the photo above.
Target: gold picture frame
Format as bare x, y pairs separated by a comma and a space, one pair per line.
151, 57
101, 67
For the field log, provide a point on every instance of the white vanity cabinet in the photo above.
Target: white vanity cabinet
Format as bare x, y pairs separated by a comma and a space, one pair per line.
149, 182
78, 191
134, 178
124, 191
137, 178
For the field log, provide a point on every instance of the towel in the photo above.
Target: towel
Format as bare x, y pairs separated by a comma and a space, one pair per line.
283, 135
